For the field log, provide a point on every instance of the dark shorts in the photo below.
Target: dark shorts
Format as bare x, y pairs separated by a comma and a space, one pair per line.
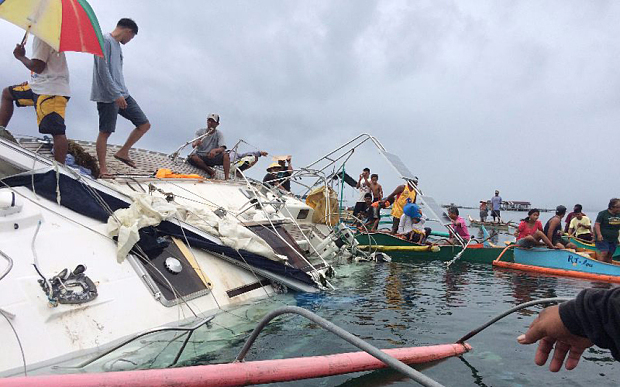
606, 246
495, 213
211, 162
108, 113
560, 240
526, 243
585, 237
50, 109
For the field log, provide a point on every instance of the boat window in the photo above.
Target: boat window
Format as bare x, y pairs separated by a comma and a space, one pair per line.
172, 275
7, 169
275, 239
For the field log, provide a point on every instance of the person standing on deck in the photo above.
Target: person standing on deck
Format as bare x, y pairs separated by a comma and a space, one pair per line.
375, 187
112, 96
363, 185
48, 91
399, 198
496, 206
606, 230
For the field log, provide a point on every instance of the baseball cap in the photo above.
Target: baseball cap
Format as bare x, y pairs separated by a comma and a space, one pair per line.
214, 117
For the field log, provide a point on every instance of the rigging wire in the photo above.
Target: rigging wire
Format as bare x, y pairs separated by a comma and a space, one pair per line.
553, 300
19, 342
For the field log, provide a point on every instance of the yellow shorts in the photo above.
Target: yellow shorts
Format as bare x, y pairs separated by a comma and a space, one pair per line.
50, 108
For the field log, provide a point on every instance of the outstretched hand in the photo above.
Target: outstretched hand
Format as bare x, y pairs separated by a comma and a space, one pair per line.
549, 329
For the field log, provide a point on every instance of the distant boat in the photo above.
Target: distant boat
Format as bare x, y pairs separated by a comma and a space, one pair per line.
497, 225
562, 262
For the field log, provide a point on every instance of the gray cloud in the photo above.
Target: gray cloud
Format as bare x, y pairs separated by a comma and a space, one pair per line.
520, 96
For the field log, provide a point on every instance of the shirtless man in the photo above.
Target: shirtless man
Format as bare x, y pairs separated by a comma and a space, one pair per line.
553, 230
375, 188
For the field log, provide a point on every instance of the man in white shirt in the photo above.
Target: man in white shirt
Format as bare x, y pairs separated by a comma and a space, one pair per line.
48, 91
364, 188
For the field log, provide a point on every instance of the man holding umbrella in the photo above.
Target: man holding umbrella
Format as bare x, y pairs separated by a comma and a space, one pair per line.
72, 29
48, 91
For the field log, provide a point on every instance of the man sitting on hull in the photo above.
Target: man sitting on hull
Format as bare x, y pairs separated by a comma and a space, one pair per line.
210, 149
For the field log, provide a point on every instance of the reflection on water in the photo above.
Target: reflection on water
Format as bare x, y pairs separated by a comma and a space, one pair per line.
397, 305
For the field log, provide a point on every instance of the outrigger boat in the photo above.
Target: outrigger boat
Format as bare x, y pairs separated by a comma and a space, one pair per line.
562, 262
580, 243
402, 250
499, 225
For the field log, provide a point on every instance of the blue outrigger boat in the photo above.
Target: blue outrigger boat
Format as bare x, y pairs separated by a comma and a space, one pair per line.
561, 262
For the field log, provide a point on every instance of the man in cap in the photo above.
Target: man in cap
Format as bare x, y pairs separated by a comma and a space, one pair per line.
210, 149
496, 205
278, 174
113, 98
48, 91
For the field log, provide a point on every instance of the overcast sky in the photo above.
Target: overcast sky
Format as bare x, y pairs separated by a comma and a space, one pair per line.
520, 96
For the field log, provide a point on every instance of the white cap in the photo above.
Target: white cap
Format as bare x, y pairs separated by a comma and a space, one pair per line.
214, 117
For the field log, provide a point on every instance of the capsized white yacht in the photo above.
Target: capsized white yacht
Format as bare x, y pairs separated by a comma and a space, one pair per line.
90, 263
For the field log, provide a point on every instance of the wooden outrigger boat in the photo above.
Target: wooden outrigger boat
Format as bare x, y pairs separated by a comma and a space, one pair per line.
500, 225
402, 250
590, 246
564, 262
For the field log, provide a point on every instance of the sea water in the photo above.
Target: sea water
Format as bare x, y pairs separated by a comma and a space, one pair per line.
394, 305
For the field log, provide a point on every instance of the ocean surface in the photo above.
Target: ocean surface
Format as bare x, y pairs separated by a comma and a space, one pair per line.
394, 305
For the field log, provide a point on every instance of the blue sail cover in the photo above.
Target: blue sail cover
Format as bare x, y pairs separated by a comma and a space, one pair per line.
75, 196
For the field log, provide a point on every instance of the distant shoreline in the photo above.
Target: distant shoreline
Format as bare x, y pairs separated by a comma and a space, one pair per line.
475, 208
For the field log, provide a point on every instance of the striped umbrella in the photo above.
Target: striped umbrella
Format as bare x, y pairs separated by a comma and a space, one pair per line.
66, 25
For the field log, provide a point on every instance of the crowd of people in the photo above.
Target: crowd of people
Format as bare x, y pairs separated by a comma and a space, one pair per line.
407, 218
592, 318
605, 232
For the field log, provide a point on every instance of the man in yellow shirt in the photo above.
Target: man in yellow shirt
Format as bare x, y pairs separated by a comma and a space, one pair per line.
399, 198
581, 227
